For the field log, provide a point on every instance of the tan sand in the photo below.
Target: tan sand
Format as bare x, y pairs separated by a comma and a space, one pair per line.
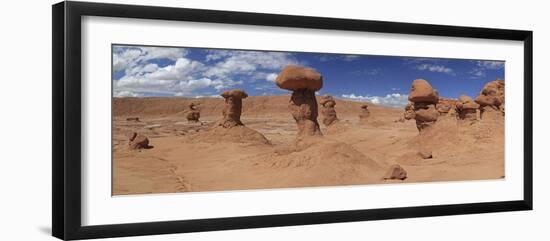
185, 158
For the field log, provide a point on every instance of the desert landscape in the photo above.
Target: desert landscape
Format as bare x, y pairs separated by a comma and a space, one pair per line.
303, 139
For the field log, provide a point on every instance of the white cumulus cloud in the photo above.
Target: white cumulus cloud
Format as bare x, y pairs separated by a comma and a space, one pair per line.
491, 64
391, 100
221, 69
246, 62
480, 70
125, 58
271, 77
126, 93
435, 68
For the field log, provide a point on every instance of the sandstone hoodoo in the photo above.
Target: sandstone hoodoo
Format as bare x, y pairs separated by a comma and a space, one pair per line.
328, 111
365, 112
303, 82
446, 106
466, 108
424, 98
491, 99
230, 128
233, 108
137, 142
409, 111
194, 113
443, 109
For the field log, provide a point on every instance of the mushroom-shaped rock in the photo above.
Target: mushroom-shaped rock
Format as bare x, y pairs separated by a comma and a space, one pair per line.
294, 77
395, 172
491, 98
230, 128
365, 112
233, 108
303, 82
466, 108
328, 111
194, 114
424, 98
422, 91
136, 141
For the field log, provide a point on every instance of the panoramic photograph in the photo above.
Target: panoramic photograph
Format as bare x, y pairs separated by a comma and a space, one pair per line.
201, 119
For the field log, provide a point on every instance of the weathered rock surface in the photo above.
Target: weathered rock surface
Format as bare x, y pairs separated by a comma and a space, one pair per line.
395, 172
424, 98
294, 77
233, 108
466, 108
327, 111
303, 82
194, 114
409, 111
491, 99
365, 113
422, 91
136, 142
425, 154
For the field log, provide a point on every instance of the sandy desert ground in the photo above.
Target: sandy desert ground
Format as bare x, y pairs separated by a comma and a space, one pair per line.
186, 157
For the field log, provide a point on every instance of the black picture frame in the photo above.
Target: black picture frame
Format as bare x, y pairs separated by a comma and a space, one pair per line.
66, 159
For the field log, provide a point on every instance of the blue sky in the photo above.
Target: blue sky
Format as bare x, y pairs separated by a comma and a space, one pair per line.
199, 72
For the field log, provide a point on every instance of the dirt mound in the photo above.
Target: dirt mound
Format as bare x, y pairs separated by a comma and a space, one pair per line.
236, 134
448, 134
337, 162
